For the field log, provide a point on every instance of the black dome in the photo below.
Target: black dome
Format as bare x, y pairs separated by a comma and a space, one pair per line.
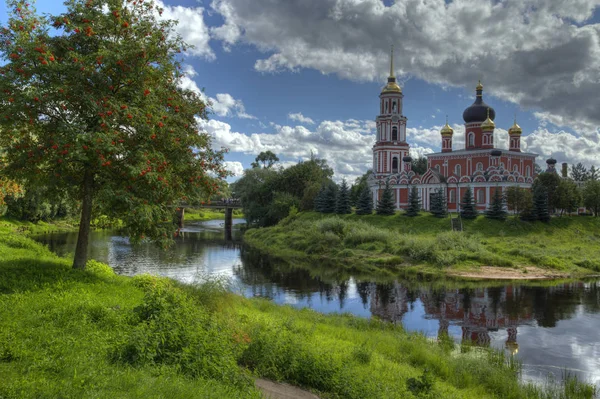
478, 112
496, 153
407, 159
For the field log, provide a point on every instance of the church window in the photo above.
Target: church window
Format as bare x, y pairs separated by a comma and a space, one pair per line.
394, 107
480, 196
395, 165
501, 165
386, 107
471, 139
457, 170
452, 196
515, 168
394, 133
437, 168
485, 139
528, 171
479, 166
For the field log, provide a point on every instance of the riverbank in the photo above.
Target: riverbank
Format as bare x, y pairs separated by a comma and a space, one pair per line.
205, 214
513, 249
91, 333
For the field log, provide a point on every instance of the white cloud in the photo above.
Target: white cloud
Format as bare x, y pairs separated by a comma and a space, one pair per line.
191, 27
234, 167
298, 117
537, 53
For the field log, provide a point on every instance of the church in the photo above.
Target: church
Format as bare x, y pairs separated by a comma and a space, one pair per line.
478, 165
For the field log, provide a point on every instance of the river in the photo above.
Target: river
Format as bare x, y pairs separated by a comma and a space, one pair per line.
549, 328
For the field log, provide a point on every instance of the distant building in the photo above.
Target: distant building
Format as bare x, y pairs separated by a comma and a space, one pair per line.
478, 165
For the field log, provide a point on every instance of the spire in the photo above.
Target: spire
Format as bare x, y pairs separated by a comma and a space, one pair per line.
446, 129
392, 63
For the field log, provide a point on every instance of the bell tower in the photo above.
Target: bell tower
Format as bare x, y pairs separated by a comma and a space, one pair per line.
390, 146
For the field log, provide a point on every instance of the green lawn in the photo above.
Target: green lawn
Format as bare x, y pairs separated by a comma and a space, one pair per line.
202, 215
390, 244
91, 334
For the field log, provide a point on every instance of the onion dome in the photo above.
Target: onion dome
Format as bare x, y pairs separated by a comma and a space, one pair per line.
515, 129
551, 161
447, 130
478, 111
392, 86
407, 158
496, 153
488, 124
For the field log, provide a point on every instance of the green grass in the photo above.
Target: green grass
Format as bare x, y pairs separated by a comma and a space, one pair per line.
426, 244
202, 215
66, 333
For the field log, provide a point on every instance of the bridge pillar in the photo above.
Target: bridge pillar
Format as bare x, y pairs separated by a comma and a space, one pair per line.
228, 222
180, 217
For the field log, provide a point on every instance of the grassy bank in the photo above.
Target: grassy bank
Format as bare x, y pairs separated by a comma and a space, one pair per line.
202, 215
389, 244
89, 334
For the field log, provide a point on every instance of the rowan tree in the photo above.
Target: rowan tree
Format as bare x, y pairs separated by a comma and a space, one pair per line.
91, 104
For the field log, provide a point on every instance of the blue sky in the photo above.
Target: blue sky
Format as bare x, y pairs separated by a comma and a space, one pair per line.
261, 61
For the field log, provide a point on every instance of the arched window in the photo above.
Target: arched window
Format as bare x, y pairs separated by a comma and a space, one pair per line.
458, 170
395, 165
471, 139
378, 132
480, 196
437, 168
452, 196
528, 171
394, 133
386, 107
479, 166
501, 165
515, 168
485, 139
394, 107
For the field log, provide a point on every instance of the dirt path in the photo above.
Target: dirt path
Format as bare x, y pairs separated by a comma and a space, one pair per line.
505, 273
275, 390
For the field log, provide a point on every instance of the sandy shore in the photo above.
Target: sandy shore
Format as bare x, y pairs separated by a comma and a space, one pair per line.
506, 273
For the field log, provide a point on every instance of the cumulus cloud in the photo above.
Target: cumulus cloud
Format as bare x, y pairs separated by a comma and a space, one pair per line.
298, 117
235, 167
537, 53
191, 27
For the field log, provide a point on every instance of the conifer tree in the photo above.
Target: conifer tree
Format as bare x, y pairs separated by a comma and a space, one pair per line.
414, 202
496, 209
467, 206
386, 206
438, 204
364, 205
342, 206
329, 199
540, 204
320, 199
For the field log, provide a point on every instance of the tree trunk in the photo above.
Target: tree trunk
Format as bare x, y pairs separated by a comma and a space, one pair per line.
84, 223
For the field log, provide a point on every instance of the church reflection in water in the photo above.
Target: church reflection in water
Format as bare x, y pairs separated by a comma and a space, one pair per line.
480, 311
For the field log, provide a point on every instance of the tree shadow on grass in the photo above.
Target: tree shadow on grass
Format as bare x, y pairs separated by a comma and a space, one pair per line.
35, 274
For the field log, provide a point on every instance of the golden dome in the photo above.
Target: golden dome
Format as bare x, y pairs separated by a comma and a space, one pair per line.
392, 87
488, 124
479, 86
515, 129
447, 130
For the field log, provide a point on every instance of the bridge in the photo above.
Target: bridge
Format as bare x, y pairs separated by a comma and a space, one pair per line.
227, 204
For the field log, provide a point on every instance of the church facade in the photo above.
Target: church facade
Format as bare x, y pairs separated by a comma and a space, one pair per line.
478, 165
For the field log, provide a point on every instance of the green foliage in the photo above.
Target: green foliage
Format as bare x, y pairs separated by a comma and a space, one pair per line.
421, 385
329, 198
108, 125
579, 172
419, 165
438, 206
260, 188
364, 204
550, 183
496, 209
342, 205
386, 205
39, 203
359, 184
540, 204
267, 158
568, 196
591, 196
518, 199
468, 210
414, 202
593, 173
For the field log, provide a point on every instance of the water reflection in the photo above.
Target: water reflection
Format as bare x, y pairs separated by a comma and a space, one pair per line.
549, 328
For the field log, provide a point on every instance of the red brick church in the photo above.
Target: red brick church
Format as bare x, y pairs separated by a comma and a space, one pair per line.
478, 165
